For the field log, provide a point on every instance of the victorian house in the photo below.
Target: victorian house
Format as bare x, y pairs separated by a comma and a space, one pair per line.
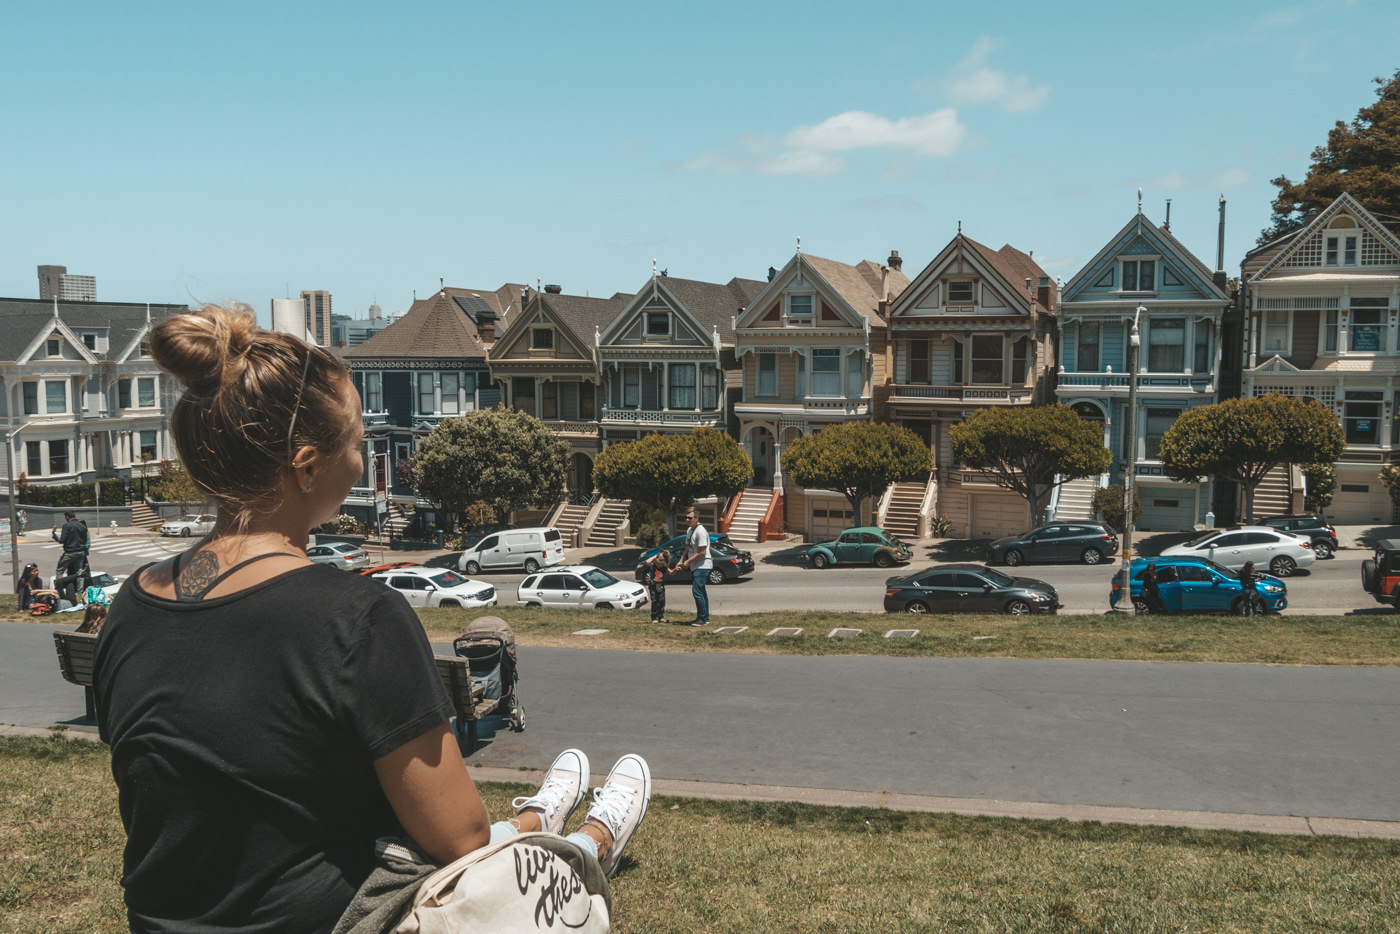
1321, 310
975, 329
1143, 275
80, 385
546, 363
812, 352
428, 365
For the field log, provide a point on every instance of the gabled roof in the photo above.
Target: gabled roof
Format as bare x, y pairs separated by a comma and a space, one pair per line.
25, 321
1162, 240
434, 327
1008, 265
712, 305
860, 287
578, 315
1290, 244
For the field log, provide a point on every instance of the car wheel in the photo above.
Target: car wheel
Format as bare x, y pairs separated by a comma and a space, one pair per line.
1322, 549
448, 603
916, 606
1091, 556
1018, 608
820, 561
531, 565
1140, 606
1013, 558
716, 577
532, 604
185, 533
602, 606
1369, 576
1282, 566
883, 559
472, 568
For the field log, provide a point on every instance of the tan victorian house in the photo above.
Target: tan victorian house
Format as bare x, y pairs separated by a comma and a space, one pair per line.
545, 363
812, 351
975, 329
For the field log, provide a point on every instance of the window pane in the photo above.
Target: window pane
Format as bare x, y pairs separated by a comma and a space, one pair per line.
1201, 363
960, 293
711, 401
34, 463
767, 374
1088, 360
146, 392
450, 404
1130, 277
148, 445
1363, 421
374, 392
799, 306
1329, 333
631, 387
549, 399
31, 399
426, 404
58, 457
1367, 330
918, 361
1158, 421
651, 389
658, 323
523, 394
55, 397
826, 372
855, 377
682, 386
1020, 351
987, 363
586, 392
1166, 346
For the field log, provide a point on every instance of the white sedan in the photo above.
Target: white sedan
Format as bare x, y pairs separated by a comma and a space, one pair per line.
1280, 553
580, 585
189, 525
422, 586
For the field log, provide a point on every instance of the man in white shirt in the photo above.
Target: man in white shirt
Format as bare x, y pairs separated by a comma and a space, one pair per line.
697, 560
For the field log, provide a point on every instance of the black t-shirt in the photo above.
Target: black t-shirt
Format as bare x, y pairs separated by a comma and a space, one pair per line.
244, 730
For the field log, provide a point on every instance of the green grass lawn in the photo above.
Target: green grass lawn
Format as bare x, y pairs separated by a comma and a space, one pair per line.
701, 866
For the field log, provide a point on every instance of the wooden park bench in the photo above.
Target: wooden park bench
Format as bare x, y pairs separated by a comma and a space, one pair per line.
75, 653
468, 699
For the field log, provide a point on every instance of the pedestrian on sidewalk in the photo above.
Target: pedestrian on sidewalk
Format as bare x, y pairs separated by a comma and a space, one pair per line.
73, 538
697, 560
657, 567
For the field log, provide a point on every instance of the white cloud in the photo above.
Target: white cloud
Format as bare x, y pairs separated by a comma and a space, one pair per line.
803, 162
933, 134
971, 81
1289, 16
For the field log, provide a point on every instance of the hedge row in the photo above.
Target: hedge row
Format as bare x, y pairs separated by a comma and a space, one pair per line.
73, 494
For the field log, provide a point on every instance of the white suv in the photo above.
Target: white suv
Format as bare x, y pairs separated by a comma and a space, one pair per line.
422, 586
580, 585
1280, 553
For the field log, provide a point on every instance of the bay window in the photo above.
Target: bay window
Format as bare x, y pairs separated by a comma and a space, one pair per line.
1367, 330
1361, 417
146, 442
767, 374
522, 394
146, 392
1020, 355
711, 388
1201, 359
826, 372
988, 367
1274, 336
55, 397
31, 398
549, 399
682, 388
374, 392
58, 457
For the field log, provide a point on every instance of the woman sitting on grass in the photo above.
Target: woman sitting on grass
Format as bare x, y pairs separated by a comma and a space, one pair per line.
31, 588
270, 718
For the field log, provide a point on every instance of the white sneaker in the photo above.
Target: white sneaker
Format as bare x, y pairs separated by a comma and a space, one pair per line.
564, 786
621, 804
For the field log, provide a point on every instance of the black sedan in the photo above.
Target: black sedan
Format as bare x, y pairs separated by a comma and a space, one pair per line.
1088, 542
968, 588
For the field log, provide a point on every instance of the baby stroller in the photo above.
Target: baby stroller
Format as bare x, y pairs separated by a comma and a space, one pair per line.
488, 645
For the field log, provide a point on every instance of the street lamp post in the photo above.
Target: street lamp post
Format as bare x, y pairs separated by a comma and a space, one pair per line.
1130, 471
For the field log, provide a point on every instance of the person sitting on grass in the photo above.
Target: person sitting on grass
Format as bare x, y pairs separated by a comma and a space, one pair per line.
270, 718
31, 588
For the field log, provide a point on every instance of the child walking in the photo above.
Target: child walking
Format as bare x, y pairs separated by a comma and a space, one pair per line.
657, 567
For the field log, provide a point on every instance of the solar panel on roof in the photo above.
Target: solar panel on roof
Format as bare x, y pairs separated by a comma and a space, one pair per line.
474, 306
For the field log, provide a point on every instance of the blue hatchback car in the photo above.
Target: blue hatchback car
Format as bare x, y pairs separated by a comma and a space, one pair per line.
1199, 585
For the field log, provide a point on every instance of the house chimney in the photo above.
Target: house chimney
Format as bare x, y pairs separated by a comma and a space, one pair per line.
554, 289
894, 262
1042, 291
486, 330
771, 273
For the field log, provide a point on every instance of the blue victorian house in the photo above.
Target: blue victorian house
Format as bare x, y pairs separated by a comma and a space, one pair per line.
1144, 273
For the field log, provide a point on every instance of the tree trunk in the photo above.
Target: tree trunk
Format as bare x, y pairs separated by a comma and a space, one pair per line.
855, 508
1249, 501
1033, 501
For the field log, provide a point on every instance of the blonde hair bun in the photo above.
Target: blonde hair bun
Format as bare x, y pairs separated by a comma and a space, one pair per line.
200, 348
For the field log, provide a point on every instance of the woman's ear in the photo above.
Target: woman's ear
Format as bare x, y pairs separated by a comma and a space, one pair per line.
304, 467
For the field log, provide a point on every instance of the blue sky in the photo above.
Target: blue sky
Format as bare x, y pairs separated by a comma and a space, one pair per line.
211, 152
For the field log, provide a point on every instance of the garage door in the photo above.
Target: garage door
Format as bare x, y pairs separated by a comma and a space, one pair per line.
996, 515
1167, 509
829, 519
1359, 501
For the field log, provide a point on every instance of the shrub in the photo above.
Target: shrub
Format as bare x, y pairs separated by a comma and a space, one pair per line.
1321, 484
1108, 503
940, 526
73, 494
649, 525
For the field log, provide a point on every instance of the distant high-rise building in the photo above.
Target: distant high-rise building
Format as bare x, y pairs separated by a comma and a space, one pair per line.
316, 307
54, 282
375, 312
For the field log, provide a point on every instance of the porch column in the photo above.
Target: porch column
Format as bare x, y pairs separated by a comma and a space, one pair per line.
665, 387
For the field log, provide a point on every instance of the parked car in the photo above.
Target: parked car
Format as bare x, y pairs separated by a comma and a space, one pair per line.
422, 586
188, 525
1198, 585
452, 560
580, 586
729, 563
1087, 542
341, 555
1311, 526
107, 582
1281, 552
968, 588
1380, 574
864, 545
530, 549
475, 534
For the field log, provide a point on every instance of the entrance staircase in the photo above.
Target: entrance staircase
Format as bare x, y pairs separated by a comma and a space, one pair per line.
901, 516
611, 517
569, 519
753, 505
1077, 499
396, 520
1274, 494
144, 517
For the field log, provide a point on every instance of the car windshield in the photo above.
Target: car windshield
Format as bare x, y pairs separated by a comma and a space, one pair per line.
103, 580
448, 579
996, 577
1198, 542
598, 578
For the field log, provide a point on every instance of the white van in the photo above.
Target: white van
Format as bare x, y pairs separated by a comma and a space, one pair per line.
530, 549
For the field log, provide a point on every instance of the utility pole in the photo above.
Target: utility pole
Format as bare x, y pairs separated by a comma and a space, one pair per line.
1130, 471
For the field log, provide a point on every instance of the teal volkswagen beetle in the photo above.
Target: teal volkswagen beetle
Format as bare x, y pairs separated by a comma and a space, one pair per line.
865, 545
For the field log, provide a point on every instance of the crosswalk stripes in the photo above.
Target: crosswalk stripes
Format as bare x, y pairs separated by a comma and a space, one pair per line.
141, 548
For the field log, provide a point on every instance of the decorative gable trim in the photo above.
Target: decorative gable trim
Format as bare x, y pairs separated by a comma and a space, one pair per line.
64, 333
1304, 242
1140, 238
799, 276
960, 258
1276, 364
651, 298
514, 344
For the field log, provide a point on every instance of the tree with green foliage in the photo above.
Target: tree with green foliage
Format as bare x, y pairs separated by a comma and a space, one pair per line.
857, 459
174, 485
1026, 449
668, 472
504, 458
1108, 502
1361, 157
1243, 439
1321, 481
